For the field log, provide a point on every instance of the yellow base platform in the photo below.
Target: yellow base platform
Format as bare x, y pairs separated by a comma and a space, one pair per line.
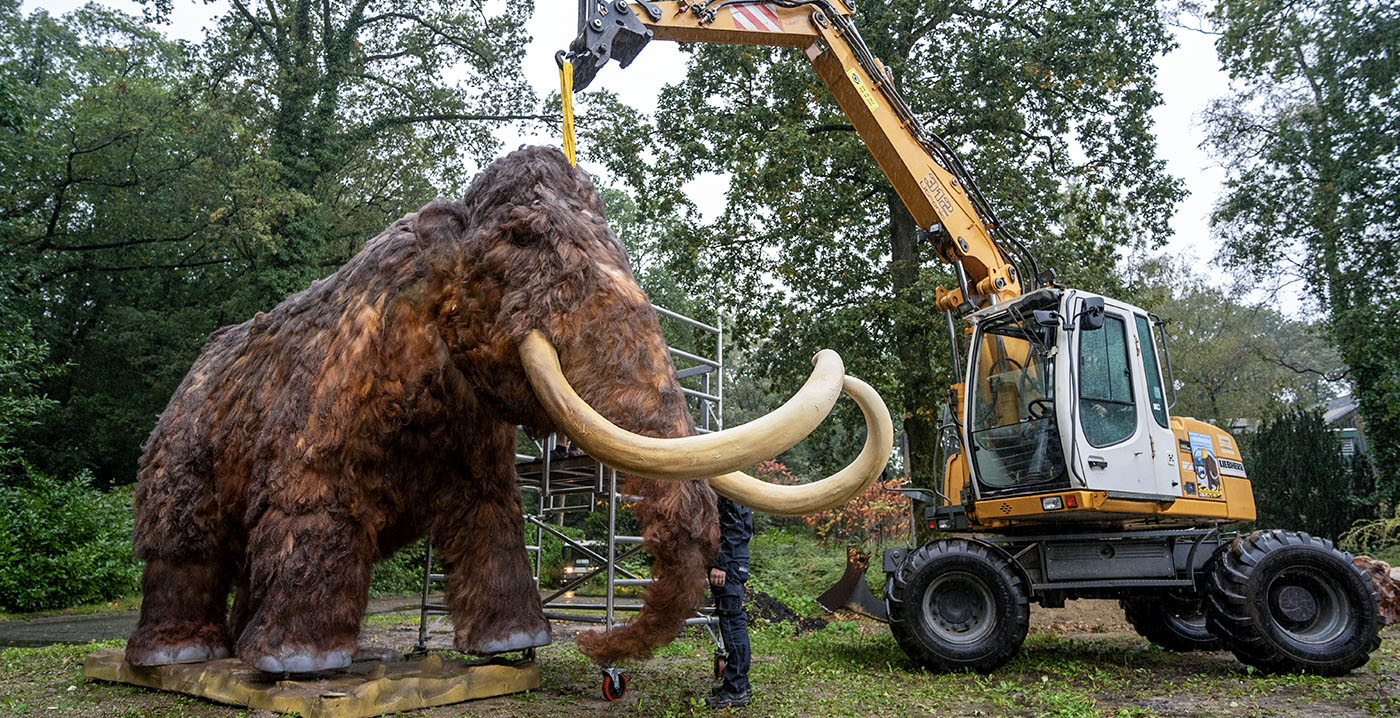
366, 688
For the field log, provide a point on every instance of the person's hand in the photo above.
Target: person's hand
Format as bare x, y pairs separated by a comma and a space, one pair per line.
716, 578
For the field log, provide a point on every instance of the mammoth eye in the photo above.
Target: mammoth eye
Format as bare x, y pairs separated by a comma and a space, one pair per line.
522, 239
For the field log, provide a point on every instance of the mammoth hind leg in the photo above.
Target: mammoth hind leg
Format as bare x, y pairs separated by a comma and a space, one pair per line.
183, 613
479, 535
307, 586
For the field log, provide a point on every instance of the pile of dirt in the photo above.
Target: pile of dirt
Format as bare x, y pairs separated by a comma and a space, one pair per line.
759, 606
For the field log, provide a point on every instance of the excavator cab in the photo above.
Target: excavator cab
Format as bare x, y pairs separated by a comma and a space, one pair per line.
1066, 419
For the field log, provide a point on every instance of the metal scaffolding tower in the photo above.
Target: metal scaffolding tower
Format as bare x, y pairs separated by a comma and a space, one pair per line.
569, 484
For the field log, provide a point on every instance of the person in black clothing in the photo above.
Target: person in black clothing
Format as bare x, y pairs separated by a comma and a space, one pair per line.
727, 579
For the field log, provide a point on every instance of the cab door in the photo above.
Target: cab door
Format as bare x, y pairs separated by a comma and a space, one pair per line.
1163, 441
1114, 442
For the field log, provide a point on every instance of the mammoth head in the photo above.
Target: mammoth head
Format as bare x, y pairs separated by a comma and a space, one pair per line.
551, 328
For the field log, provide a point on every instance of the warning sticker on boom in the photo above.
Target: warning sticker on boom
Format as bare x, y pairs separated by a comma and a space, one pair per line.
863, 89
762, 17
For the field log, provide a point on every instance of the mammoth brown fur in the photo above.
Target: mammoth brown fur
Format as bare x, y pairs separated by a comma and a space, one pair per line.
379, 406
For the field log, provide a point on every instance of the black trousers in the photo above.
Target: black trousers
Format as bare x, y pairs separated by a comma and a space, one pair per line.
729, 607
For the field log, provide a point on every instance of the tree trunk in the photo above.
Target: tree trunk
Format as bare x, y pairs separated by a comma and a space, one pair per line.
915, 334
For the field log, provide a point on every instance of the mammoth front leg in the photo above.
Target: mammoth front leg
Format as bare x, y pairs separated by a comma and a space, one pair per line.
478, 533
189, 557
183, 610
307, 585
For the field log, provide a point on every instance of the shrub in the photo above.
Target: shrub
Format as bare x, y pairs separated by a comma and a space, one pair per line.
874, 516
402, 573
64, 544
1302, 482
1378, 538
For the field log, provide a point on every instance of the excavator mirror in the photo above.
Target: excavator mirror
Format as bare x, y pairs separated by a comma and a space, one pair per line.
1047, 317
1091, 316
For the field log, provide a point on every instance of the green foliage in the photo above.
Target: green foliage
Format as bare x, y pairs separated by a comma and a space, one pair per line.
157, 190
1378, 538
401, 573
23, 365
1233, 361
64, 543
1300, 479
1049, 103
792, 566
1313, 161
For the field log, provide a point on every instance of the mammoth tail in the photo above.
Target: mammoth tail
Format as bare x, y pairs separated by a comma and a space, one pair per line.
681, 530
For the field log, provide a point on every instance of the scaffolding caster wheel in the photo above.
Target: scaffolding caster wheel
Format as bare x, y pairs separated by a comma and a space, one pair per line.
614, 684
719, 664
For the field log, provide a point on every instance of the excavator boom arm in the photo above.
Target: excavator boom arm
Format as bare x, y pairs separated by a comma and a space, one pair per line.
929, 179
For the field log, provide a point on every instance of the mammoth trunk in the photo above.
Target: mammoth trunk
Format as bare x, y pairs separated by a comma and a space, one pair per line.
680, 529
633, 382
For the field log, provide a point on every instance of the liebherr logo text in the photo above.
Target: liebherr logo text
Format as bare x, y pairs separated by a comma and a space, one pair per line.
942, 203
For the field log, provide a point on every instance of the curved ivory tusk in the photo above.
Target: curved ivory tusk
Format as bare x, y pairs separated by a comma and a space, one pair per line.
834, 490
686, 457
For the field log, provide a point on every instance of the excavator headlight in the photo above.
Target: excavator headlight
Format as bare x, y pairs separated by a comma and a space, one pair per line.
1052, 503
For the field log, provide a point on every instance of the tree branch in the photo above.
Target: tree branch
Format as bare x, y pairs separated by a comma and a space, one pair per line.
458, 41
273, 46
137, 267
1333, 376
830, 128
385, 123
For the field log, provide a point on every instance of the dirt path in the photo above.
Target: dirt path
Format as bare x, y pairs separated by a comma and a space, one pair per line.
1083, 617
37, 632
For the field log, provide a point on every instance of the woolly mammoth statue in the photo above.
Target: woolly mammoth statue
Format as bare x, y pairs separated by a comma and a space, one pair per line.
380, 405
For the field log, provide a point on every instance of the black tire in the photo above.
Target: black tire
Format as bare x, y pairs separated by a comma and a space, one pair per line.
1172, 622
958, 605
1287, 602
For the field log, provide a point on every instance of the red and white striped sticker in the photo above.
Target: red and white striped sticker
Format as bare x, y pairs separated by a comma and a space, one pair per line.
761, 17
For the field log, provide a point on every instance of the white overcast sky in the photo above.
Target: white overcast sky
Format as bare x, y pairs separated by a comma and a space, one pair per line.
1189, 77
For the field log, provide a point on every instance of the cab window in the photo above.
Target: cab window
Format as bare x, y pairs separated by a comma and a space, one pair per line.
1155, 397
1016, 446
1106, 408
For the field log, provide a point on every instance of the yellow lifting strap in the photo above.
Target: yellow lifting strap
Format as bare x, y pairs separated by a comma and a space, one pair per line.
566, 95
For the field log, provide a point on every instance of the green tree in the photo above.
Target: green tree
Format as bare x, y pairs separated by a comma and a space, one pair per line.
1310, 144
1233, 361
128, 201
1050, 104
1300, 479
367, 108
160, 189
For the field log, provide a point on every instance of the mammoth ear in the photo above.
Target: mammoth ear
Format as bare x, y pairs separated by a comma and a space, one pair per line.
440, 221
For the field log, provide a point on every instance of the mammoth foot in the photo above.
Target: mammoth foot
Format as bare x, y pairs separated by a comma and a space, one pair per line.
163, 643
301, 659
504, 641
183, 653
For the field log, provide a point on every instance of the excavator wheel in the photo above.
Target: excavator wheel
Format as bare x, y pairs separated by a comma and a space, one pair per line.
1172, 622
957, 604
1287, 602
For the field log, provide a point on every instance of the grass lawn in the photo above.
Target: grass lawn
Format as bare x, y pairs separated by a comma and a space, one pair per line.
851, 668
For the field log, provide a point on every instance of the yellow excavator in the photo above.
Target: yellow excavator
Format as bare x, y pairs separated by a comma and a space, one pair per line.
1065, 476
